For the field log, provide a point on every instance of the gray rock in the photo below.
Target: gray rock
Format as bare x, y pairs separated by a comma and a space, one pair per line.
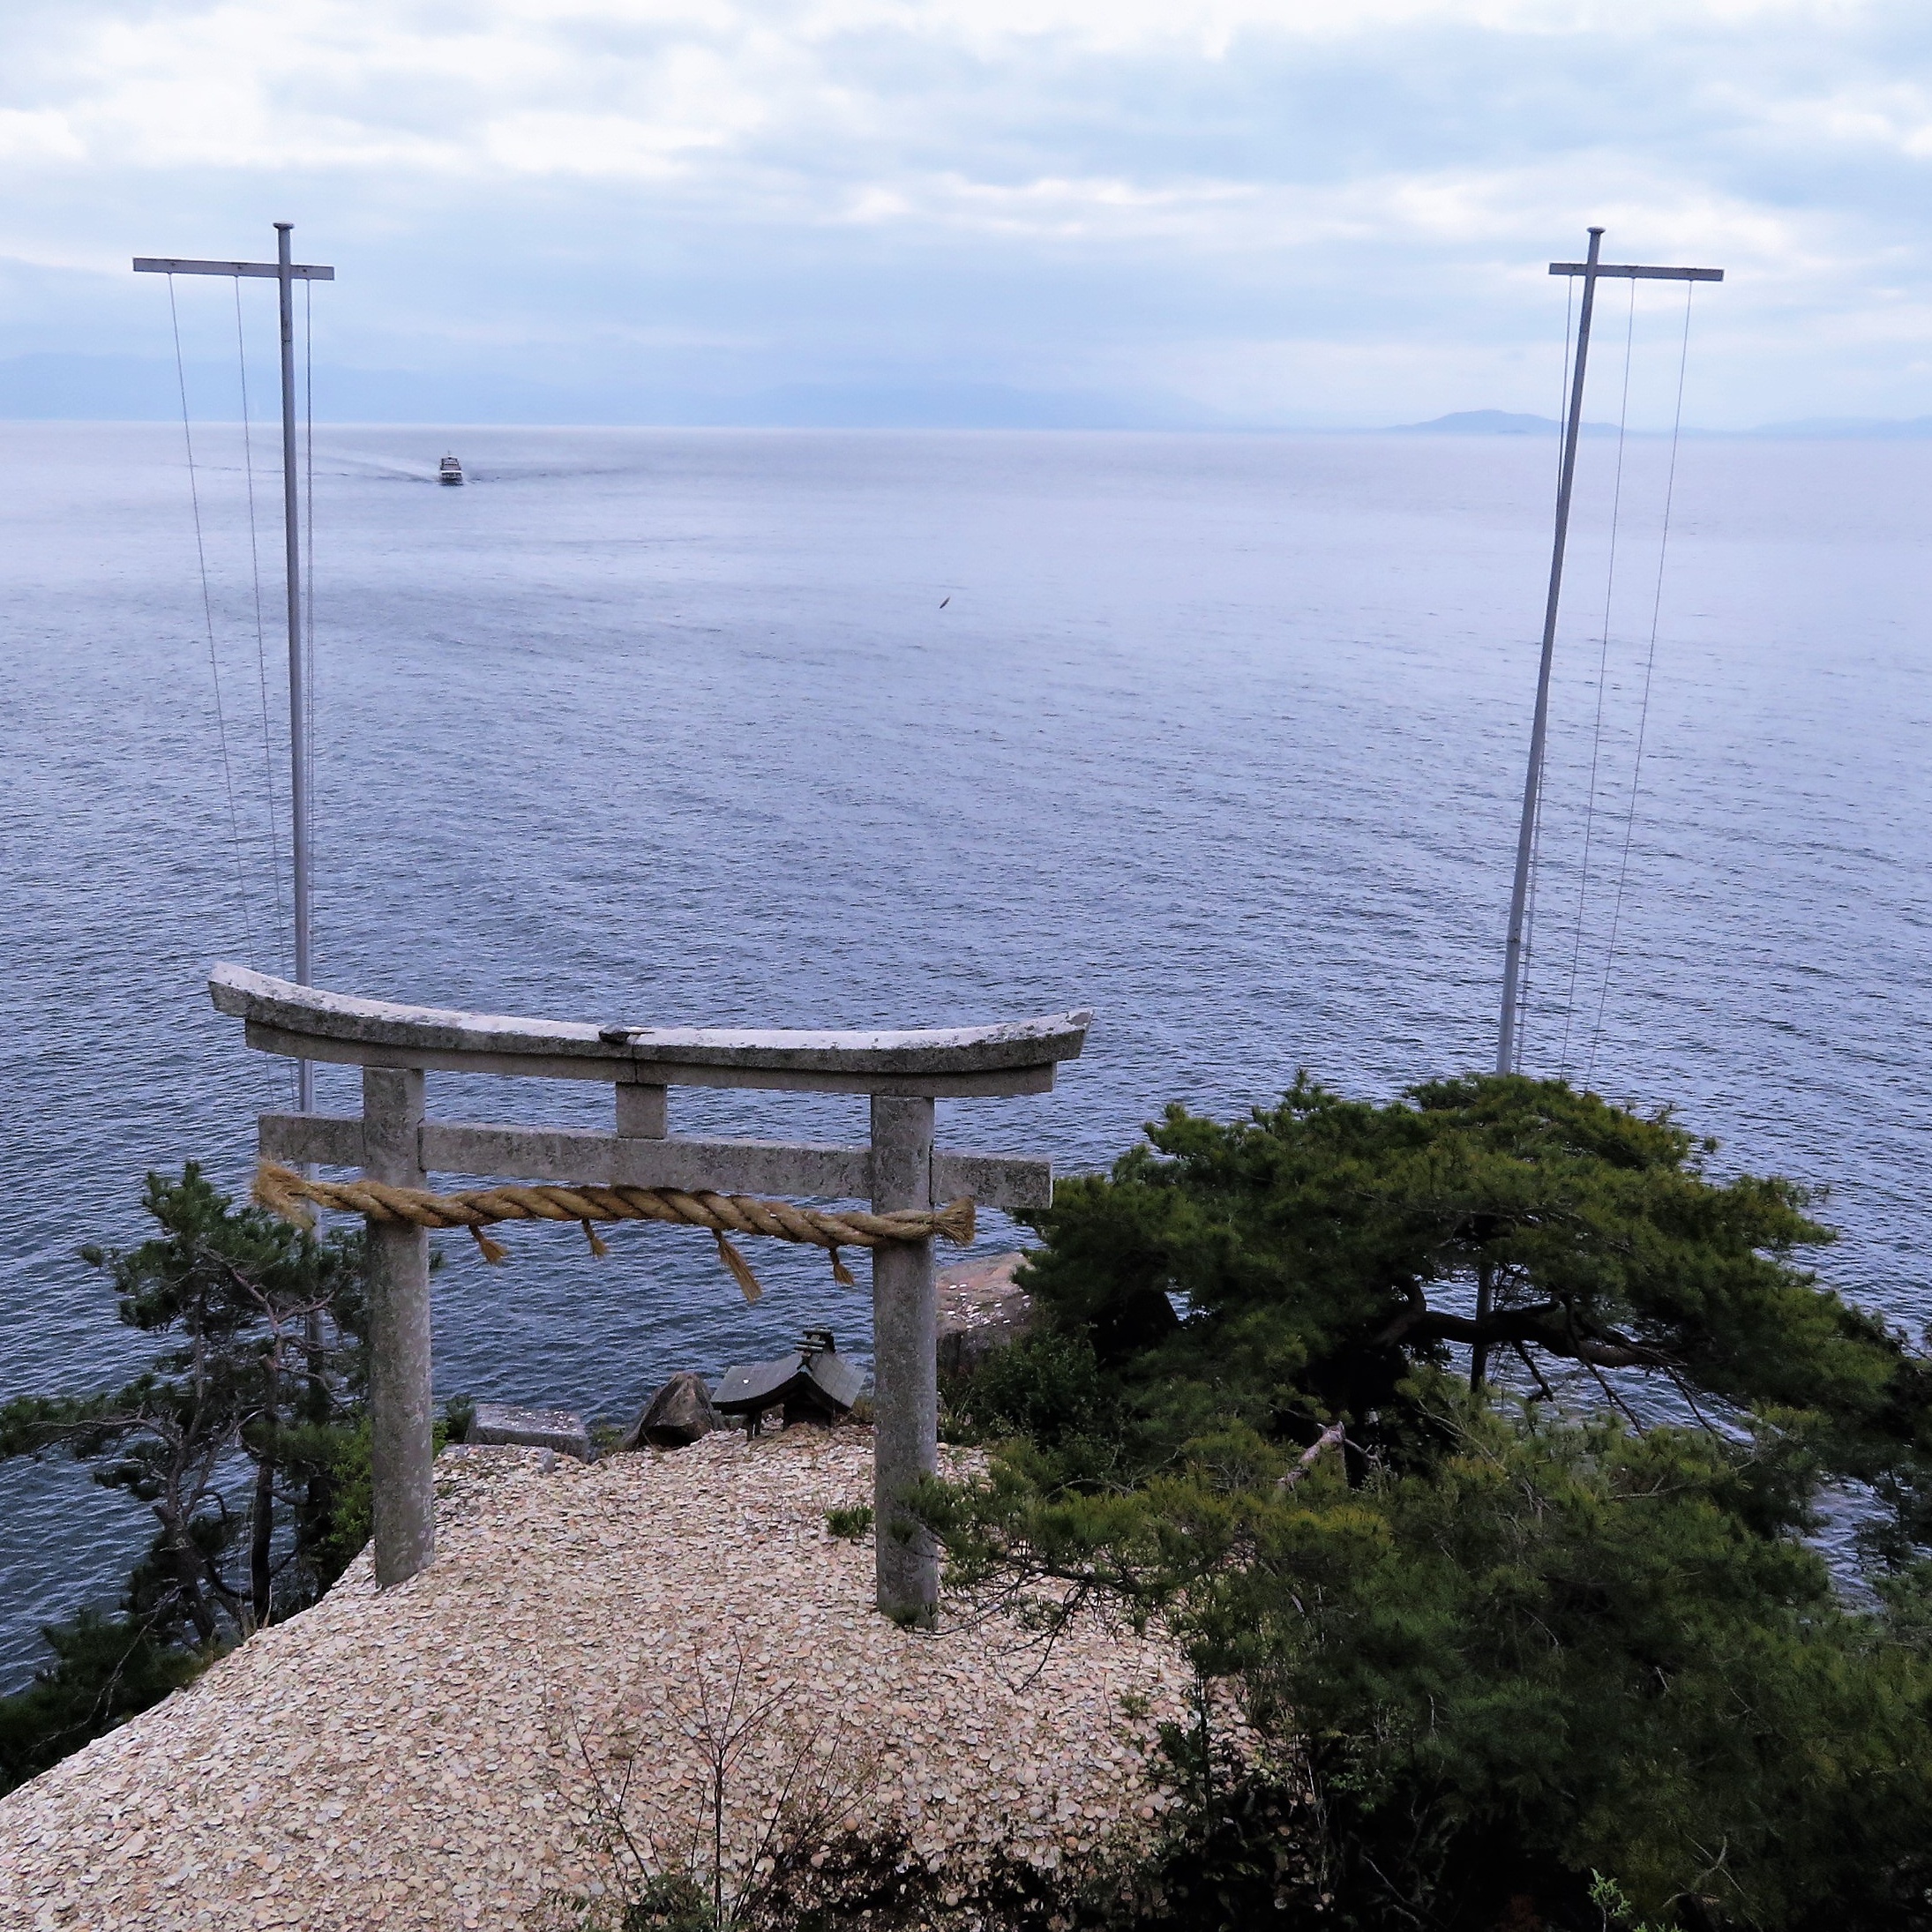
676, 1416
980, 1311
531, 1428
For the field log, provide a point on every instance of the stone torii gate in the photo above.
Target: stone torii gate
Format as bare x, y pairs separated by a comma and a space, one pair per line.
393, 1142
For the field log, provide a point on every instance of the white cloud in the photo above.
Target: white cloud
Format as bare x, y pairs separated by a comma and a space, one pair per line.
42, 135
358, 83
1354, 170
1877, 115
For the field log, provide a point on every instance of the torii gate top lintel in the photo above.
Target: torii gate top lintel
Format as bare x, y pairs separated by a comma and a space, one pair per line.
306, 1022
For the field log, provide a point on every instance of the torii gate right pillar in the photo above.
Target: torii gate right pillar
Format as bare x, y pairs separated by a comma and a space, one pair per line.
905, 1368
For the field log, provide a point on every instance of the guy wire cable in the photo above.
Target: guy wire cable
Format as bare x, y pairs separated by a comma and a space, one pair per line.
261, 646
207, 617
1603, 675
1644, 711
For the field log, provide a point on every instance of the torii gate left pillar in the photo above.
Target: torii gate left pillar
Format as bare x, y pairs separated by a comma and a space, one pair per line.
393, 1140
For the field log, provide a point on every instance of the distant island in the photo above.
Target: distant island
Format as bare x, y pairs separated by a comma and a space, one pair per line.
1482, 422
1509, 422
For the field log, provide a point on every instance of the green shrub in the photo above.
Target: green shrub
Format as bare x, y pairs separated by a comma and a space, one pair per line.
1044, 1386
105, 1670
1512, 1637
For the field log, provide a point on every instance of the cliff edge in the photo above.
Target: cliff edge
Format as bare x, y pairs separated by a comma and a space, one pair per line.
454, 1753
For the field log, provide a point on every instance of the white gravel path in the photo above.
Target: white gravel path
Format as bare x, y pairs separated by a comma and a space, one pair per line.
414, 1759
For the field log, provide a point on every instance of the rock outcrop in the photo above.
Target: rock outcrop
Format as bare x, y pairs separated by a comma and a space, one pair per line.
675, 1417
980, 1310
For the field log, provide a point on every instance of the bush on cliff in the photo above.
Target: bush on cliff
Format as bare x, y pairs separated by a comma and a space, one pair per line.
104, 1670
241, 1440
1514, 1642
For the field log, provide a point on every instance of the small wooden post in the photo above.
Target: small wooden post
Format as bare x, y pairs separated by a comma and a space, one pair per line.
905, 1342
400, 1419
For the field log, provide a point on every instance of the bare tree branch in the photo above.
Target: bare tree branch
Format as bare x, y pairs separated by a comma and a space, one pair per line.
1328, 1439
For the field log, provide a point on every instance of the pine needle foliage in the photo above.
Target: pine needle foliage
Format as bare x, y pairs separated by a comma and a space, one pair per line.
1528, 1635
241, 1441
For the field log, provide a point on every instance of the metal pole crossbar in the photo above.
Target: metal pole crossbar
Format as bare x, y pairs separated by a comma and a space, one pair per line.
1509, 1040
285, 273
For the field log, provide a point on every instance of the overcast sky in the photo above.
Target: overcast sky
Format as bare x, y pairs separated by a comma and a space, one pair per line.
1248, 211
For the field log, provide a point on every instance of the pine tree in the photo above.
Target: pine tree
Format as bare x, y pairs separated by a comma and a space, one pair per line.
1472, 1442
242, 1440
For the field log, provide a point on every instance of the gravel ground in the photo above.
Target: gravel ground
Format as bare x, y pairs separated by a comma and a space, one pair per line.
434, 1755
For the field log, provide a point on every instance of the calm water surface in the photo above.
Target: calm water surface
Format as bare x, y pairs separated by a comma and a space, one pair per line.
1219, 736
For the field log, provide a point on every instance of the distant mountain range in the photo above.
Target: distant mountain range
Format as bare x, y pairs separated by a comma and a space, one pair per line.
1893, 428
55, 386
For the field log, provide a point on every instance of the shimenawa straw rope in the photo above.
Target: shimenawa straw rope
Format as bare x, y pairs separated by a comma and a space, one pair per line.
288, 1194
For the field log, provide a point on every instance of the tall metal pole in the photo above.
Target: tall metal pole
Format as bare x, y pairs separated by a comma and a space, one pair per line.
285, 273
298, 696
1508, 1046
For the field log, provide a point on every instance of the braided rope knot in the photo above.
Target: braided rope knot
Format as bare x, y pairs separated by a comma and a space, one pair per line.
288, 1194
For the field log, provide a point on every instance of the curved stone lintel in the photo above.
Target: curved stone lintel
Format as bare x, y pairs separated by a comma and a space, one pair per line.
616, 1052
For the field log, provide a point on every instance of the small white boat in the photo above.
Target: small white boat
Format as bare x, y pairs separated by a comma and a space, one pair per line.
450, 472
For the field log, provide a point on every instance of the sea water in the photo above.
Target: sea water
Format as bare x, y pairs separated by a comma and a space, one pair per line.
1220, 736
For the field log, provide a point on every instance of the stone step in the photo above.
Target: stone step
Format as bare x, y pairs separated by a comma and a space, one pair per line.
558, 1429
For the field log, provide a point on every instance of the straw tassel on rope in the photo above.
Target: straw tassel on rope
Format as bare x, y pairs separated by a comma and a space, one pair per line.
288, 1194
